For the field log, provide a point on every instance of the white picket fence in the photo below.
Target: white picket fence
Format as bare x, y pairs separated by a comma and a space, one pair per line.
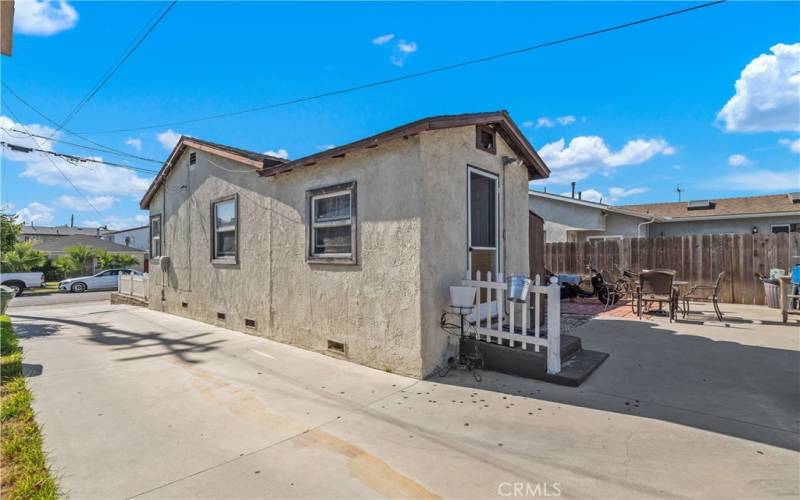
495, 318
133, 285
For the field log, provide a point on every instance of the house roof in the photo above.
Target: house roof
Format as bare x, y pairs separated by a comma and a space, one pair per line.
62, 231
117, 231
251, 158
270, 165
501, 120
593, 204
60, 244
721, 207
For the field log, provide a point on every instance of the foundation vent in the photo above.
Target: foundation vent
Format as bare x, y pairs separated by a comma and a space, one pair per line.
221, 316
184, 305
250, 323
335, 346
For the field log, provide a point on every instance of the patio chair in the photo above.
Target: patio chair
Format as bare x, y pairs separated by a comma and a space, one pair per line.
705, 293
656, 286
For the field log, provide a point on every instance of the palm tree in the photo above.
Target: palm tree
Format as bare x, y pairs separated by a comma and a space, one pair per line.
82, 255
112, 260
23, 258
66, 264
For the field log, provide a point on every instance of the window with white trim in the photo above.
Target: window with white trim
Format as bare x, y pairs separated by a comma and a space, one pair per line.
155, 236
780, 228
224, 229
331, 224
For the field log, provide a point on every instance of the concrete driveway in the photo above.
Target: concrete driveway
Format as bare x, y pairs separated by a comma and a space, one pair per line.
49, 299
137, 403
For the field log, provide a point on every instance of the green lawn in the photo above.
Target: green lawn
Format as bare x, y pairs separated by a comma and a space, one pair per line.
24, 466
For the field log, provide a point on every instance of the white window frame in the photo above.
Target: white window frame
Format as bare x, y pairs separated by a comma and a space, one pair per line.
351, 257
605, 237
773, 226
224, 259
156, 237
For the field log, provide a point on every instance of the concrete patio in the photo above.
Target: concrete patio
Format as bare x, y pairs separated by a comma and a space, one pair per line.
137, 403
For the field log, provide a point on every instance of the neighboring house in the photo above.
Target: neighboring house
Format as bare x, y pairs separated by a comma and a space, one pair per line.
573, 219
44, 233
777, 213
348, 251
54, 247
135, 237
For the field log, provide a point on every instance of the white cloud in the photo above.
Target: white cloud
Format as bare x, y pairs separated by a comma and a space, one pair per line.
548, 123
586, 154
618, 192
760, 180
168, 138
325, 147
281, 153
767, 94
36, 213
566, 120
402, 50
527, 123
738, 160
793, 145
79, 204
7, 207
134, 143
94, 178
116, 222
43, 17
380, 40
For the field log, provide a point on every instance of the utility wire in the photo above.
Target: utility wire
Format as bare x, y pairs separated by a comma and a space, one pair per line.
102, 150
71, 158
110, 73
10, 110
70, 132
421, 73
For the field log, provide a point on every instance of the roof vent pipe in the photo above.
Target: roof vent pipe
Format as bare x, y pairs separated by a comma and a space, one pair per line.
580, 194
573, 189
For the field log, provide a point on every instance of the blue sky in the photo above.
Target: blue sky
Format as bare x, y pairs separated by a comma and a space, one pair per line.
628, 115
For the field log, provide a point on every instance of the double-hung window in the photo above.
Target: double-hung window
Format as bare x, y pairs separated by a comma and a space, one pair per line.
224, 230
155, 236
332, 224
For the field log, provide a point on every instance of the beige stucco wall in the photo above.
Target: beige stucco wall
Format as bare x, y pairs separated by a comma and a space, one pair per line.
446, 155
411, 209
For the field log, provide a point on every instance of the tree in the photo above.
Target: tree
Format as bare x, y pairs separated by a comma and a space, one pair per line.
9, 231
65, 264
112, 260
82, 255
22, 258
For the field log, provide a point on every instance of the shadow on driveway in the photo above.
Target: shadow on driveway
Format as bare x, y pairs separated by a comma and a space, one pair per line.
125, 340
744, 391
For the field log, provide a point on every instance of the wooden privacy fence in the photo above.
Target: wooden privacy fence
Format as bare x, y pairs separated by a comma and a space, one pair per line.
696, 258
496, 319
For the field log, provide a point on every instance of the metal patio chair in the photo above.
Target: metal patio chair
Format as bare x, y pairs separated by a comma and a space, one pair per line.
705, 293
656, 286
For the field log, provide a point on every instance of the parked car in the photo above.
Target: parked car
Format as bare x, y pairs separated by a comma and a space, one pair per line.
18, 282
104, 280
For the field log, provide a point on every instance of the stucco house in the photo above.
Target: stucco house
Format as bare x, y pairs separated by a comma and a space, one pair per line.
53, 247
776, 213
574, 219
134, 237
348, 251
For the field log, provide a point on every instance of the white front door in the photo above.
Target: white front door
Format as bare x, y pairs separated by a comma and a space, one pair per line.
483, 219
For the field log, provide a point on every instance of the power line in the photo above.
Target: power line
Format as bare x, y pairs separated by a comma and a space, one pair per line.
110, 73
102, 150
421, 73
70, 132
72, 158
10, 110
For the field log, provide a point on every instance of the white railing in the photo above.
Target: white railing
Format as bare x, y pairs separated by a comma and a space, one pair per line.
133, 285
495, 318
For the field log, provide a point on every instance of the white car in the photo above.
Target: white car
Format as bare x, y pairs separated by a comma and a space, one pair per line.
104, 280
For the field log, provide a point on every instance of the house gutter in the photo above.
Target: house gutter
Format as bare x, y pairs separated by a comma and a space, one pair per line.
639, 227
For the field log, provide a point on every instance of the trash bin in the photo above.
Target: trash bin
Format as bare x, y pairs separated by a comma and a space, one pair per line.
772, 293
6, 294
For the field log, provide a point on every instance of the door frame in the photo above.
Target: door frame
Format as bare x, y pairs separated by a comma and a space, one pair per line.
498, 206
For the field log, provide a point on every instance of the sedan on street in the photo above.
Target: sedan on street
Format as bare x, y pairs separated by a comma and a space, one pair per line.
104, 280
